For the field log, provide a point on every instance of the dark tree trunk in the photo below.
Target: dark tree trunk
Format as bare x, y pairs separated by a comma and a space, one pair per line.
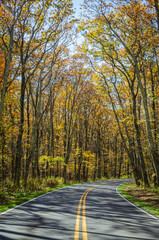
99, 151
80, 149
21, 125
115, 157
157, 12
106, 159
139, 145
120, 159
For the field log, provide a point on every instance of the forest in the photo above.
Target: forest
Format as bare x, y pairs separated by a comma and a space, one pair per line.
78, 110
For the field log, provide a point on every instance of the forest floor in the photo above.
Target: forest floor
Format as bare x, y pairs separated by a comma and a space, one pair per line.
146, 198
18, 198
11, 196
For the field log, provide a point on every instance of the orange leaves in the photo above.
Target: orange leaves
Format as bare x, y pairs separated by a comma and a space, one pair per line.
2, 65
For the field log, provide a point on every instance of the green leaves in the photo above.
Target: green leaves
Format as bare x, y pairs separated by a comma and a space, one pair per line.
49, 159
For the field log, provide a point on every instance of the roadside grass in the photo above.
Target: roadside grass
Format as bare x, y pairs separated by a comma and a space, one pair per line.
19, 198
10, 197
145, 198
13, 198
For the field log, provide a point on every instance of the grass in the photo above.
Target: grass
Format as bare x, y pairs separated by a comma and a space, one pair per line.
147, 199
20, 198
16, 198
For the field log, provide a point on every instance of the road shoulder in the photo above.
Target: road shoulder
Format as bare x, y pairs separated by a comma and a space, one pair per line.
145, 199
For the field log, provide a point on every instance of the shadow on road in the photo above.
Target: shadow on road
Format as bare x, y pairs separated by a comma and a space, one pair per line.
53, 216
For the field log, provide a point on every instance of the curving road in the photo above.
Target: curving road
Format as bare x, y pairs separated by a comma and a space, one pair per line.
90, 211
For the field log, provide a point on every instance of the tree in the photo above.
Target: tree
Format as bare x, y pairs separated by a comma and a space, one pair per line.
124, 42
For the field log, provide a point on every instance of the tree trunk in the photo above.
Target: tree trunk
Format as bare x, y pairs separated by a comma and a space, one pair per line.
139, 145
80, 149
115, 153
120, 159
99, 151
157, 12
153, 150
21, 125
6, 71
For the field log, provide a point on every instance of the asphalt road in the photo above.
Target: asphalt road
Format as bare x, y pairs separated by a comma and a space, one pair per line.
93, 211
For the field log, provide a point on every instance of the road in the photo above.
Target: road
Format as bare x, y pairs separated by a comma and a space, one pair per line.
90, 211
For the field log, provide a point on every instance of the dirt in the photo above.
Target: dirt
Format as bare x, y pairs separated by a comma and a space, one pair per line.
147, 195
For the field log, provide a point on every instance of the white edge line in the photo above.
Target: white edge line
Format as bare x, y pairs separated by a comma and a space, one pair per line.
135, 205
17, 206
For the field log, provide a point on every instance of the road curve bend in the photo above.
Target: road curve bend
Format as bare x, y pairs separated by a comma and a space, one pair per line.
90, 211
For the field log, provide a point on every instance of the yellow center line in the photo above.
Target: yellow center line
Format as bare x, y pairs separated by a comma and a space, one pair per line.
76, 234
84, 227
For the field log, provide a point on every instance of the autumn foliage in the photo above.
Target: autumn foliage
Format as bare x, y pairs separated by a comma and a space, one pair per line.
79, 115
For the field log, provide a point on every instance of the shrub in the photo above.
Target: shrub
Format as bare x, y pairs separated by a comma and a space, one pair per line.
60, 180
34, 184
10, 186
3, 198
51, 182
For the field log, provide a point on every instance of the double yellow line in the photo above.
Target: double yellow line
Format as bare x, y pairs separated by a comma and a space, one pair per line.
84, 227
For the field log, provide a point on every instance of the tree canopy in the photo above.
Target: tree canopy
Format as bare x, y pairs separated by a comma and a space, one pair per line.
79, 112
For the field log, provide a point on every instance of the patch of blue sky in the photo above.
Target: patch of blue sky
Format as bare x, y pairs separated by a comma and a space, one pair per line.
77, 7
78, 14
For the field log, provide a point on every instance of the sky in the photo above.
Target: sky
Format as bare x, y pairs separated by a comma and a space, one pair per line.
77, 4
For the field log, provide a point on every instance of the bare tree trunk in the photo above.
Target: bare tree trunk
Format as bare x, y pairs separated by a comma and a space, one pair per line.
115, 153
3, 156
120, 159
153, 150
95, 167
157, 11
21, 125
153, 87
99, 150
6, 71
80, 149
106, 159
85, 148
139, 145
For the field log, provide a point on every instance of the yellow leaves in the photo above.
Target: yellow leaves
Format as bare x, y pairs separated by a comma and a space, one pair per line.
77, 152
134, 9
43, 160
59, 127
2, 65
88, 154
41, 18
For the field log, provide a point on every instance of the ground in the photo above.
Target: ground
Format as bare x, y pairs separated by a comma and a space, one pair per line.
147, 198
